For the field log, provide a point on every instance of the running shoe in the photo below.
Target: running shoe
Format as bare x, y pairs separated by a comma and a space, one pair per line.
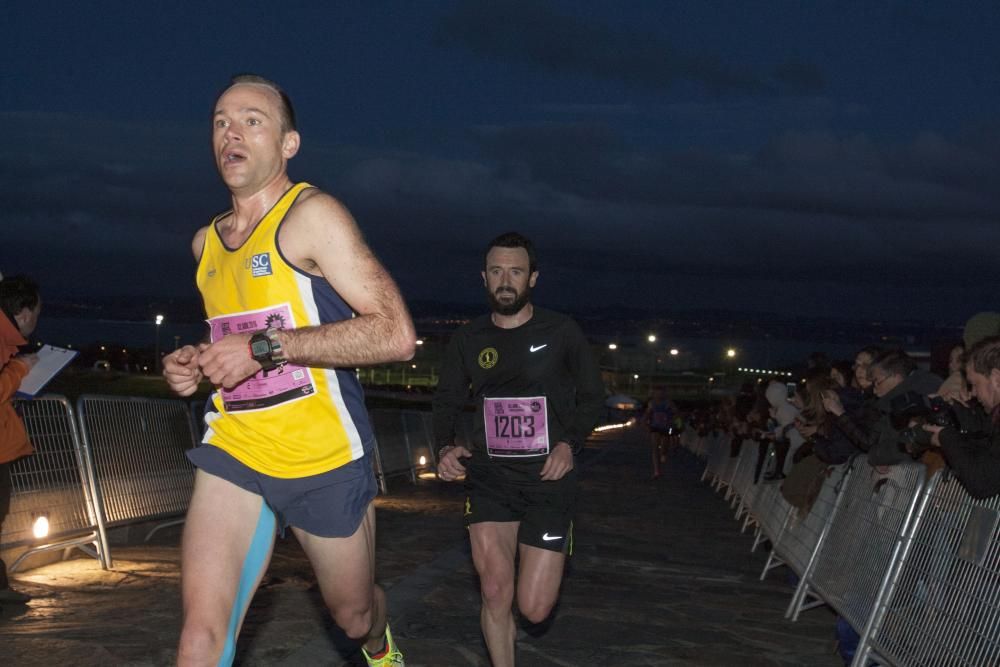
390, 658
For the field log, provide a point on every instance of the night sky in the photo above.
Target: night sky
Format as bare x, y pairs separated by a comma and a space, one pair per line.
823, 158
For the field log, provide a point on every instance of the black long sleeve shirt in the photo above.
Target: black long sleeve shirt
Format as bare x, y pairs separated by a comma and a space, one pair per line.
974, 455
546, 356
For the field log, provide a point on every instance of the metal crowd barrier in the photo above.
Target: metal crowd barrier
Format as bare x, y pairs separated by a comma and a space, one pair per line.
802, 532
419, 430
863, 539
405, 443
744, 484
54, 483
138, 447
392, 450
942, 604
914, 565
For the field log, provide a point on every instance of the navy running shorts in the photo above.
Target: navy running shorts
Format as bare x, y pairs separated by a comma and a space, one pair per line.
331, 504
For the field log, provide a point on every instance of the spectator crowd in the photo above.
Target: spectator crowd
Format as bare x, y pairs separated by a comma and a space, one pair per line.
882, 405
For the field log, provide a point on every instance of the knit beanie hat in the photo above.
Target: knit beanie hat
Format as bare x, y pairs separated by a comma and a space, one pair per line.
979, 326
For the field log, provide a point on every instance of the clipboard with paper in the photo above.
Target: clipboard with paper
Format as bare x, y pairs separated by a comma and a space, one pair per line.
51, 360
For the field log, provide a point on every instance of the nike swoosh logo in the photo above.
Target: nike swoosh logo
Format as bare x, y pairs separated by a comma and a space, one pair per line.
534, 348
546, 536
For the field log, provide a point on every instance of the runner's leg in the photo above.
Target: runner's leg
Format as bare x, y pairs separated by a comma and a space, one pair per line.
345, 570
538, 580
493, 548
228, 538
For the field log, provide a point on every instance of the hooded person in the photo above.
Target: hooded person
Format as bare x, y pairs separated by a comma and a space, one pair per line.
786, 437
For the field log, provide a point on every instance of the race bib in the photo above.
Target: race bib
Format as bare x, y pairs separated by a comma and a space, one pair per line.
267, 388
516, 426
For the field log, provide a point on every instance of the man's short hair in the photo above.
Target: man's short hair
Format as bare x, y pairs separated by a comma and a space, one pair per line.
287, 110
984, 356
894, 362
514, 240
16, 294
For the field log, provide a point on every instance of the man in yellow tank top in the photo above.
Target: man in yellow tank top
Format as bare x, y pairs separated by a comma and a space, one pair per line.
292, 294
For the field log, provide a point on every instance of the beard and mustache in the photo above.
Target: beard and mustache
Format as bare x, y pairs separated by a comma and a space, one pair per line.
510, 307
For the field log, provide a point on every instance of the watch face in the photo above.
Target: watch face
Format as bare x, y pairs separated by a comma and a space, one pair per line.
260, 348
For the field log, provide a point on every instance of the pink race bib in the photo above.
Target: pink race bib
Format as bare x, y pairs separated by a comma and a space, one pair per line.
267, 388
516, 426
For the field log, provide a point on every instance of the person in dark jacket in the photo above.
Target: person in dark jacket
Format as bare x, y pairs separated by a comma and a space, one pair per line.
972, 447
875, 429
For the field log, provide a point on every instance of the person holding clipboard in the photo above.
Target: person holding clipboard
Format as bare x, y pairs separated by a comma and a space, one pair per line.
20, 306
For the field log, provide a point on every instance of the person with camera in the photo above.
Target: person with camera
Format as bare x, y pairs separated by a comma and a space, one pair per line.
899, 387
971, 441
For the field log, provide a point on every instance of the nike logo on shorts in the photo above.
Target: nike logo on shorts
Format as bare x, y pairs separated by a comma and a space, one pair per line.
536, 348
549, 538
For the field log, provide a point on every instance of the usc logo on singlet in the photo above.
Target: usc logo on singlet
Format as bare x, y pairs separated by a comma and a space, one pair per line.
488, 357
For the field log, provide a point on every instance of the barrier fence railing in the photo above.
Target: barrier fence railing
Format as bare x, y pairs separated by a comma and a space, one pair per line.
913, 565
54, 485
942, 604
115, 461
138, 447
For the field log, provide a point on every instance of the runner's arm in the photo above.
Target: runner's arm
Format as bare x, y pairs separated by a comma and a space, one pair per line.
181, 368
451, 394
589, 389
325, 237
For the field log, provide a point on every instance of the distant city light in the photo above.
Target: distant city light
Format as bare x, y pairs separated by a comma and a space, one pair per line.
612, 346
635, 376
420, 341
651, 338
674, 352
730, 353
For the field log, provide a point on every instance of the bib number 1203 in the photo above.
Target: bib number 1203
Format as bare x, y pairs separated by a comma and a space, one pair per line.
514, 426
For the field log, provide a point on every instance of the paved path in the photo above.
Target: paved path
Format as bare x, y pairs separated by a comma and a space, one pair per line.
661, 576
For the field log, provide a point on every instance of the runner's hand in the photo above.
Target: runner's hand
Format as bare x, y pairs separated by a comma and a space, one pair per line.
449, 466
227, 362
181, 370
559, 463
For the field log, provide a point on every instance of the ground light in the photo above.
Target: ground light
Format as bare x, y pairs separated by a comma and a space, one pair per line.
40, 529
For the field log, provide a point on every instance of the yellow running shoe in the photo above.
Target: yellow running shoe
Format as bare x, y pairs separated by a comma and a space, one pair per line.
391, 658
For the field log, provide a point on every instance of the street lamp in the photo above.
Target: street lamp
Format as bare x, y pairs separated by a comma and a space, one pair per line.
156, 354
731, 353
674, 352
651, 338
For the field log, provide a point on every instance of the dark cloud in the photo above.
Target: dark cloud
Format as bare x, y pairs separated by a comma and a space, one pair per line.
838, 215
532, 32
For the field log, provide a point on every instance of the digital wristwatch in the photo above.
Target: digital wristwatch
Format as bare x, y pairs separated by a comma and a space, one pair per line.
265, 349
